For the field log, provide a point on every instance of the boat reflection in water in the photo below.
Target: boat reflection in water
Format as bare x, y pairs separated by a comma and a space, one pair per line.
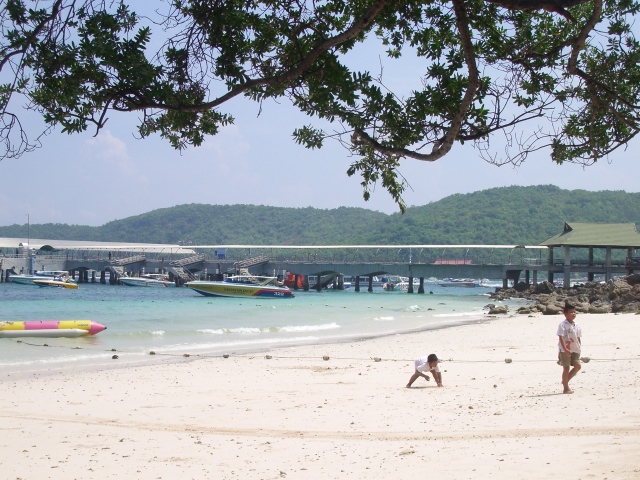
241, 286
458, 282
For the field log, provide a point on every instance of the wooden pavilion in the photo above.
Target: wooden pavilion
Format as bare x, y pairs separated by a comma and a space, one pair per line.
607, 236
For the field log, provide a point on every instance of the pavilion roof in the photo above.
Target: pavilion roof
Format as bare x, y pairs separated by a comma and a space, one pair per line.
616, 235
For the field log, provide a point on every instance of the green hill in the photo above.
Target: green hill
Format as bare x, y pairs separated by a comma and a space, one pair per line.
507, 215
510, 215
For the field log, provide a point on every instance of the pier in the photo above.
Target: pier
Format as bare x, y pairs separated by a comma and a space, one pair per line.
91, 262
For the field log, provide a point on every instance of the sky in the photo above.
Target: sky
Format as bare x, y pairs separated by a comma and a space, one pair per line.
88, 179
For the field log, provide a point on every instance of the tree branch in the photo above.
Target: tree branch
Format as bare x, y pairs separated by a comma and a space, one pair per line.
441, 148
284, 78
553, 6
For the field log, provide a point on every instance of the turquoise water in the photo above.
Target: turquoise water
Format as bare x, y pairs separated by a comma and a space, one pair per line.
179, 321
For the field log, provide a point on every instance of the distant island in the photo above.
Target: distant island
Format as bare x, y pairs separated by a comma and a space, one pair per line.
506, 215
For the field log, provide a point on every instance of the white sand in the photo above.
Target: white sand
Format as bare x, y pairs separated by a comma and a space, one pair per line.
298, 416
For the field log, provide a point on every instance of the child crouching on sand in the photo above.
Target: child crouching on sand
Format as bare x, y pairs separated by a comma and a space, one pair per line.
429, 364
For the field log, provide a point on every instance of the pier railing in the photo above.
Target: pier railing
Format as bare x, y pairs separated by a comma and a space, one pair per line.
252, 261
454, 261
181, 273
188, 260
243, 259
129, 260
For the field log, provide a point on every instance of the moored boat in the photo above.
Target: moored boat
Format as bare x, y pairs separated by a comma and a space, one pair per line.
148, 280
56, 282
50, 328
26, 279
393, 283
397, 284
241, 286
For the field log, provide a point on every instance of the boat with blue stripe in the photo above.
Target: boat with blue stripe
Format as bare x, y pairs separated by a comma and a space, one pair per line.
241, 286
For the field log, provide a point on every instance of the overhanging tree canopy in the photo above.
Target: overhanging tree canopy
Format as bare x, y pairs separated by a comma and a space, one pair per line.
556, 74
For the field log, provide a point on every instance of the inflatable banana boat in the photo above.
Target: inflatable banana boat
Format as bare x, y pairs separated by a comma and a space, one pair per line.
50, 328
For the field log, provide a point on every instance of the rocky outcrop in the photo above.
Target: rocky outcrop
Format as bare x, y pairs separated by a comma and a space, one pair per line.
618, 295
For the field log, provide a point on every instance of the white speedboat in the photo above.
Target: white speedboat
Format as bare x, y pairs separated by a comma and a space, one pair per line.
148, 280
59, 275
396, 283
241, 286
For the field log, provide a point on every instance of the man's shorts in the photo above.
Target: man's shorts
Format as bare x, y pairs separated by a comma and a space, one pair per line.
567, 361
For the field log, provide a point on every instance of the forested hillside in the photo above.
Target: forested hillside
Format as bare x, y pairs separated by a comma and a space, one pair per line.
507, 215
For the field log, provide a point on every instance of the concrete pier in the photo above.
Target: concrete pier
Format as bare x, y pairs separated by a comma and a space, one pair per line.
269, 259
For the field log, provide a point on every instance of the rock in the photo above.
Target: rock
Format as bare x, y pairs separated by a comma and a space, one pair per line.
552, 309
581, 307
521, 287
544, 287
633, 279
582, 298
625, 306
502, 309
615, 296
599, 309
619, 287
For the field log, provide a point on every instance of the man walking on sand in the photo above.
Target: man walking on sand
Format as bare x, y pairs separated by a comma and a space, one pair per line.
569, 335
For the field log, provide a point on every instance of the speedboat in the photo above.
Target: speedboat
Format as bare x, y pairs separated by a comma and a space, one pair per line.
399, 284
41, 275
393, 283
241, 286
60, 282
148, 280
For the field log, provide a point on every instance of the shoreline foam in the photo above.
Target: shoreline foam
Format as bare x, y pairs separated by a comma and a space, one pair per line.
104, 361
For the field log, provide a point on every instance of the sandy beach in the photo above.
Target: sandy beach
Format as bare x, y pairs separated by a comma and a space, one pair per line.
299, 416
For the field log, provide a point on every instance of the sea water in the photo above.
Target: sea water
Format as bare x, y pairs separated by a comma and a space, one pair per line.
179, 321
